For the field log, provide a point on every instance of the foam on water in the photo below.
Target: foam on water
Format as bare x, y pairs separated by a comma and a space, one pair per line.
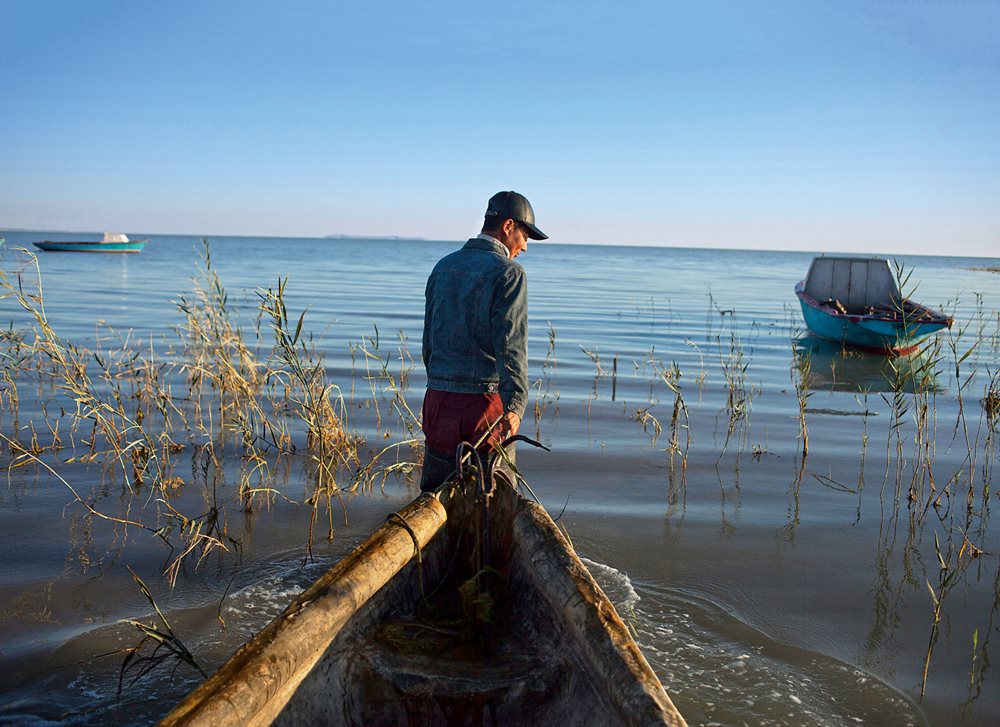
89, 696
715, 679
616, 585
258, 603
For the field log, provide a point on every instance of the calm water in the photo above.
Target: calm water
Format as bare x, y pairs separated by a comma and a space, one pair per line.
764, 589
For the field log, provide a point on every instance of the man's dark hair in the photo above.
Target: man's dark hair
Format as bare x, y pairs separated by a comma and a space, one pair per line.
493, 223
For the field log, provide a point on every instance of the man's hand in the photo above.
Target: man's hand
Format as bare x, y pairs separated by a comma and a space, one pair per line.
509, 425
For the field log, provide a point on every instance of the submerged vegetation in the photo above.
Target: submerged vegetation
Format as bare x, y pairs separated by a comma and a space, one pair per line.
133, 411
190, 438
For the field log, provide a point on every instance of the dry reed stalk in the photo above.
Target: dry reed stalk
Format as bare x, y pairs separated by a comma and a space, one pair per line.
382, 382
952, 564
329, 445
680, 416
164, 638
218, 355
648, 422
392, 383
801, 371
550, 354
125, 440
599, 371
739, 392
544, 395
118, 436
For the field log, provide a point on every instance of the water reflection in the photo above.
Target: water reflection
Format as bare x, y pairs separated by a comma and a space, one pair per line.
837, 368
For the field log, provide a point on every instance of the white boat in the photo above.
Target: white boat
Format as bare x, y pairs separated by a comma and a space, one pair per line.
112, 242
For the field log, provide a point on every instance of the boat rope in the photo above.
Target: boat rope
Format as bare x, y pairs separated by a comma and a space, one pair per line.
401, 521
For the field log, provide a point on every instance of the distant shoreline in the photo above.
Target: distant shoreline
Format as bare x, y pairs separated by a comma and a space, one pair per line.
548, 243
339, 236
370, 237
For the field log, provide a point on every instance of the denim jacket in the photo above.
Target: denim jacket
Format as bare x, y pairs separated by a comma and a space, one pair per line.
476, 324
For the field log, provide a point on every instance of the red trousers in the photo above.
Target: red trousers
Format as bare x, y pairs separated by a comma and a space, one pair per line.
450, 419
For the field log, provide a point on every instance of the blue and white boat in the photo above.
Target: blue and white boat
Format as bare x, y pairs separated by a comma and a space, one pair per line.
112, 242
855, 301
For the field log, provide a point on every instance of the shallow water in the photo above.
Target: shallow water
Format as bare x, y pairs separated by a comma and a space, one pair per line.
763, 589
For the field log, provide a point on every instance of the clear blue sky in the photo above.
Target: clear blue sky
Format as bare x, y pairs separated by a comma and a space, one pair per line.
823, 126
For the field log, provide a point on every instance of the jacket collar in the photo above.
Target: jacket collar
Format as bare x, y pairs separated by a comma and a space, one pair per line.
490, 244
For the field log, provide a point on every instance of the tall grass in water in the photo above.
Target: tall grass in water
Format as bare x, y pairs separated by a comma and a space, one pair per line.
955, 506
680, 418
382, 381
801, 371
307, 391
110, 392
166, 645
599, 372
545, 393
117, 435
915, 390
124, 415
221, 366
952, 564
734, 363
13, 358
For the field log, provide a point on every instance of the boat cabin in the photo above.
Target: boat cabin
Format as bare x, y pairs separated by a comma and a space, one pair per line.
854, 285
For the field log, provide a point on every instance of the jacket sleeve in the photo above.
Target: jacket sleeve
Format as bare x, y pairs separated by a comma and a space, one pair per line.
428, 310
509, 328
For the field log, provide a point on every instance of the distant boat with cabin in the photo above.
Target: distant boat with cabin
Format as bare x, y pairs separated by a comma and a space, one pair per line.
112, 242
855, 301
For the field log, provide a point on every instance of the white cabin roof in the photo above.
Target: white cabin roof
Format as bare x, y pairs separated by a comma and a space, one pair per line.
854, 281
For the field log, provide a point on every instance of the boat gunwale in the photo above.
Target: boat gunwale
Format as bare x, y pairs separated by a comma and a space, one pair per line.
244, 689
260, 679
936, 318
599, 629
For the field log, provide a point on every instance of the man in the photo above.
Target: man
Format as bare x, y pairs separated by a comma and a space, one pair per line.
475, 346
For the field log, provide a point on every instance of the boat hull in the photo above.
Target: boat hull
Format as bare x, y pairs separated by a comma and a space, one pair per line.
357, 648
874, 332
130, 246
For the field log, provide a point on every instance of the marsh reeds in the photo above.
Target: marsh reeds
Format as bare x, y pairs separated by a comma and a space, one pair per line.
124, 415
314, 400
739, 391
801, 371
220, 365
167, 647
952, 564
650, 424
599, 372
960, 501
546, 393
116, 437
382, 383
865, 413
680, 418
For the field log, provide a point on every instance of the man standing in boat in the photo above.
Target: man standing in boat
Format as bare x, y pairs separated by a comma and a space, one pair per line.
475, 344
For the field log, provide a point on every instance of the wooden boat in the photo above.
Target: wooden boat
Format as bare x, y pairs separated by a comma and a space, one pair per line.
112, 242
407, 631
855, 301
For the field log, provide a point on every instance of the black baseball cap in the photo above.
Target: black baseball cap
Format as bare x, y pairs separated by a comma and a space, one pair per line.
514, 206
